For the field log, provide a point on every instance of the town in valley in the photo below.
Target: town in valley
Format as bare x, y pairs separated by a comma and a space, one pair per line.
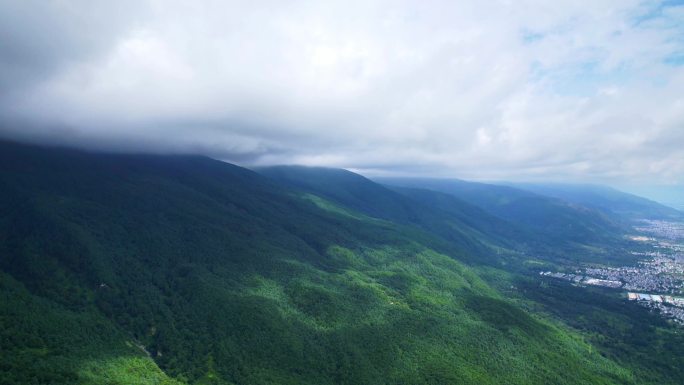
655, 281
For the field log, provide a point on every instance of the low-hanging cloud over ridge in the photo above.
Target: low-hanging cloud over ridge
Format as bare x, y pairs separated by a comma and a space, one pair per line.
493, 89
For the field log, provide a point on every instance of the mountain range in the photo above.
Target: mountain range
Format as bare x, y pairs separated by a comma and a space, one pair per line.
170, 269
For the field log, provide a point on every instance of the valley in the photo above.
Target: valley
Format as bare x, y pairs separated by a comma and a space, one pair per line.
654, 281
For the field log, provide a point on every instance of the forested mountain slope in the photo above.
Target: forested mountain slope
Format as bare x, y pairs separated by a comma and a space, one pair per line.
460, 223
224, 277
606, 199
574, 228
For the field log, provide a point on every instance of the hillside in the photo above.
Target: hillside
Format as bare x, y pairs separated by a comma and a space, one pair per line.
489, 238
575, 230
458, 222
606, 199
225, 277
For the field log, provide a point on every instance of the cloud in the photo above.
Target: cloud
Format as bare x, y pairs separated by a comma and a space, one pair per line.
494, 89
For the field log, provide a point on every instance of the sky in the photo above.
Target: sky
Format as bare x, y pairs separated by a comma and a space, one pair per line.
485, 90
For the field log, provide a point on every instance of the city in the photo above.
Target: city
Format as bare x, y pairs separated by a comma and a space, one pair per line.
654, 281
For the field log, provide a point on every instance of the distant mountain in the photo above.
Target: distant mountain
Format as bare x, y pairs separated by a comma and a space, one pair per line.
347, 188
606, 199
558, 221
467, 214
142, 269
488, 237
459, 222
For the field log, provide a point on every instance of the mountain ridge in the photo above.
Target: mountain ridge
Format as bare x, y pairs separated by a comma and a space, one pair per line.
228, 277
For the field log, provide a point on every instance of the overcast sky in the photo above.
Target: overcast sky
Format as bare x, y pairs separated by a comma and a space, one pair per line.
518, 90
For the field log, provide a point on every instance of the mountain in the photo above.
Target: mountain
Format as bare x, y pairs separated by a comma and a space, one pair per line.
347, 188
579, 231
467, 215
606, 199
464, 225
489, 238
149, 269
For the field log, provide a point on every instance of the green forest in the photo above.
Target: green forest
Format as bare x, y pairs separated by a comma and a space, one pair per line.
150, 269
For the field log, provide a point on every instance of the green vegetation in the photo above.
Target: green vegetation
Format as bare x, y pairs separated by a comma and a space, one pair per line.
355, 192
623, 331
45, 343
224, 277
496, 224
559, 230
123, 371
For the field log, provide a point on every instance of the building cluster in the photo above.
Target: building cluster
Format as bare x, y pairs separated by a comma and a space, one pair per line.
662, 274
661, 271
676, 301
662, 229
667, 306
583, 279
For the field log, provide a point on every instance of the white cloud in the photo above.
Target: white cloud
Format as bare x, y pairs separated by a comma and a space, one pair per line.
494, 89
